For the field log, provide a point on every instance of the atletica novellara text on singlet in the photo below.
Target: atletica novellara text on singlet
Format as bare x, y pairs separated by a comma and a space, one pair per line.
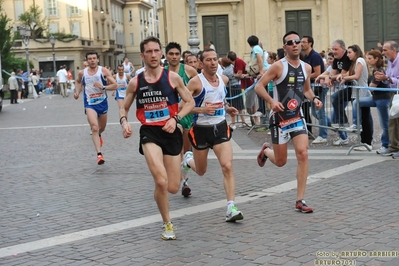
289, 91
211, 96
92, 94
156, 102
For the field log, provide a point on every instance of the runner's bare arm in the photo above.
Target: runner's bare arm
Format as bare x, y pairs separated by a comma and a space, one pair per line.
124, 110
78, 84
190, 71
184, 93
111, 81
272, 74
229, 109
307, 91
195, 88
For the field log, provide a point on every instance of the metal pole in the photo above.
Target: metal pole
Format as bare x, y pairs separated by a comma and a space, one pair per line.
193, 40
1, 73
54, 66
27, 59
30, 86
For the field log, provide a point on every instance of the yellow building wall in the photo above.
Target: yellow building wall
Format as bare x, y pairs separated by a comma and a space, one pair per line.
331, 20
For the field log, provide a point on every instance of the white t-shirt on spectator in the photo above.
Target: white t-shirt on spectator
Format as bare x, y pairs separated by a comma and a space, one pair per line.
62, 75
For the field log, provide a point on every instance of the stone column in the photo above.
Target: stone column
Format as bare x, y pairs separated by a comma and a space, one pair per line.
193, 40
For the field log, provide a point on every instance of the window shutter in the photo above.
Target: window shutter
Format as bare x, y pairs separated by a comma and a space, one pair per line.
68, 7
46, 8
57, 8
76, 28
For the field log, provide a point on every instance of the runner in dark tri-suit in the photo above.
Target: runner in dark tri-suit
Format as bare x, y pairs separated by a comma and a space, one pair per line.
292, 79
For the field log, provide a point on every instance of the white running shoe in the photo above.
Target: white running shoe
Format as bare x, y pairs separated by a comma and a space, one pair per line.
168, 233
319, 140
185, 167
384, 151
233, 214
363, 148
340, 142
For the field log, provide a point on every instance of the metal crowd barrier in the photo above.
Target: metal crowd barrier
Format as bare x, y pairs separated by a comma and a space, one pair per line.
263, 117
338, 118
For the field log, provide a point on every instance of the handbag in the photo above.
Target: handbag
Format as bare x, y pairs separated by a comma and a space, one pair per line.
394, 110
252, 68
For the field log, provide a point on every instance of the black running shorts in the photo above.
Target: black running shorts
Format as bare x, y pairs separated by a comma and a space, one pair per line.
170, 143
206, 136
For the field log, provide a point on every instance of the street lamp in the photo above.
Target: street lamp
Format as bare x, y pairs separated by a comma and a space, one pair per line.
25, 33
52, 41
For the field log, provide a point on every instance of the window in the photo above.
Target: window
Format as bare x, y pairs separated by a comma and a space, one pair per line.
131, 39
141, 18
95, 4
19, 8
74, 10
52, 8
53, 27
130, 16
97, 31
113, 12
76, 28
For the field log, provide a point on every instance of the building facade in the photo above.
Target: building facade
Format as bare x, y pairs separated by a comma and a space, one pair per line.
115, 28
228, 23
112, 28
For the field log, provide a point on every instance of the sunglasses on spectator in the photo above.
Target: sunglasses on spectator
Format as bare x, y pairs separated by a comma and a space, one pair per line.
291, 42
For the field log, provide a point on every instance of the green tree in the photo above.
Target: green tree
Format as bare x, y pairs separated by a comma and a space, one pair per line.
34, 19
6, 39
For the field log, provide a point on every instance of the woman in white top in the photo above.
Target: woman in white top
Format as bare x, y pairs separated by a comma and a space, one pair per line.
359, 72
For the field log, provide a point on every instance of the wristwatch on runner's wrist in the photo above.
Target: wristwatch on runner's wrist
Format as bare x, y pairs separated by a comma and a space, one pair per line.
316, 97
177, 118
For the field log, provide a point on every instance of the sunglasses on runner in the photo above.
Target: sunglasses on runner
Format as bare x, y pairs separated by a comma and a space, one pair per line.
291, 42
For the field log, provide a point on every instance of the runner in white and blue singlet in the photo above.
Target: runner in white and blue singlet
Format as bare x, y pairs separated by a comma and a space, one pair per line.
94, 80
210, 129
122, 80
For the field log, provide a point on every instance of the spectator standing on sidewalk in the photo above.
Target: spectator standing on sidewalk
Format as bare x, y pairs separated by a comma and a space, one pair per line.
379, 99
62, 78
390, 50
359, 72
316, 62
35, 82
13, 87
21, 85
340, 99
241, 74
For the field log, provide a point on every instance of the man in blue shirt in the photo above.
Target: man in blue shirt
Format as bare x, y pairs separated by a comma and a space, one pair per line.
314, 59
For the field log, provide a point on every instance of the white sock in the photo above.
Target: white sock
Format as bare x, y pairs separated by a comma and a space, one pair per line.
229, 204
188, 161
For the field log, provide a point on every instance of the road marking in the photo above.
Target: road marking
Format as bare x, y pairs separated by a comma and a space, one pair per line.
60, 126
112, 228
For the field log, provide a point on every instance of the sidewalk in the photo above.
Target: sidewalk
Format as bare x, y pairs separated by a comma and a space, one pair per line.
60, 208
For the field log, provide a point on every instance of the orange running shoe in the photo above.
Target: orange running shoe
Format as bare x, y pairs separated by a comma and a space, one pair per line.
100, 159
101, 141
